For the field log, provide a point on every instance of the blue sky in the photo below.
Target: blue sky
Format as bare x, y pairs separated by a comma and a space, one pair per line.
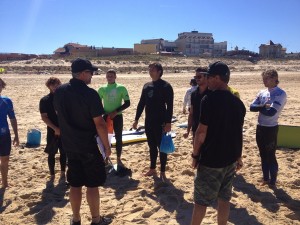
41, 26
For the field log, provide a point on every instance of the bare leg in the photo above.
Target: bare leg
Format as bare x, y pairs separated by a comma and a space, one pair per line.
93, 199
223, 211
4, 170
198, 214
75, 200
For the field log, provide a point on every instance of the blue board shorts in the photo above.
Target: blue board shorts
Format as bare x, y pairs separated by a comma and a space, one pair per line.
5, 144
213, 183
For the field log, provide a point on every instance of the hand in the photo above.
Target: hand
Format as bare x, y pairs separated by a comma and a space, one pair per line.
57, 132
16, 141
112, 114
186, 135
194, 163
167, 127
239, 164
184, 111
134, 125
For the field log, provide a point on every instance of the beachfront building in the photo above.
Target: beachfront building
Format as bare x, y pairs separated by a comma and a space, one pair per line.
78, 50
200, 44
155, 46
271, 50
188, 43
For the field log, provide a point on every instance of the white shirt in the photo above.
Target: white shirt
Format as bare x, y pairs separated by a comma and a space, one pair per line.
187, 97
276, 97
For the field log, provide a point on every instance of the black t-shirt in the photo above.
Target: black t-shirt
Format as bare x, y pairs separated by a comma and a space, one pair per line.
46, 106
224, 114
195, 102
157, 99
77, 105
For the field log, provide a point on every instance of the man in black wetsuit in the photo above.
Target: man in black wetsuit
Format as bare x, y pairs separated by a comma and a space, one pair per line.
157, 99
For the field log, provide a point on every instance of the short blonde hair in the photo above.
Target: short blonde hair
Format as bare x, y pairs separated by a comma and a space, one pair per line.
271, 74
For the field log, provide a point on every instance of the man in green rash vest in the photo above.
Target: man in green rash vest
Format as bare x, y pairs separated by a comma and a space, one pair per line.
112, 96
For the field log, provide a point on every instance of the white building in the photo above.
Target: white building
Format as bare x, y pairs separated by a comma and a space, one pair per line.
197, 44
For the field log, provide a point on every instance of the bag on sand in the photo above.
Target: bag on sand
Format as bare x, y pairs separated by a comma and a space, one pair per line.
52, 147
167, 145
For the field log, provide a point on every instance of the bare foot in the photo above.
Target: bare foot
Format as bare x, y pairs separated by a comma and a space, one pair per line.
119, 162
151, 172
264, 182
163, 177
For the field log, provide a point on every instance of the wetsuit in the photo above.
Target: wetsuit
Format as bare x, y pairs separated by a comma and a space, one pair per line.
46, 106
6, 109
267, 129
157, 99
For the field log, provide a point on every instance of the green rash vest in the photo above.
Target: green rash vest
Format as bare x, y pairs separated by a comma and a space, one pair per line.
111, 95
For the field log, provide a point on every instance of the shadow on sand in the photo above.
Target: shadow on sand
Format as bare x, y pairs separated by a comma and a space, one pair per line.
52, 196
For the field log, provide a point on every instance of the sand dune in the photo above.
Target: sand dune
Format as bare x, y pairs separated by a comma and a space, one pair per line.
32, 199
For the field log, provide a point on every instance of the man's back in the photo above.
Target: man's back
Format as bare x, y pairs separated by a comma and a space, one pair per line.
77, 105
224, 114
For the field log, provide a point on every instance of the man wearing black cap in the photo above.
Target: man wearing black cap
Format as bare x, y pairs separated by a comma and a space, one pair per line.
217, 145
79, 111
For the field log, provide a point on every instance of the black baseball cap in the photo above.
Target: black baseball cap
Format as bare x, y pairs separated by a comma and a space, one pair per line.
79, 65
218, 68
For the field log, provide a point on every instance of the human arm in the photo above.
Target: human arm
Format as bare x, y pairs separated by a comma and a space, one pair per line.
49, 123
199, 139
190, 121
102, 133
140, 108
119, 109
185, 102
14, 125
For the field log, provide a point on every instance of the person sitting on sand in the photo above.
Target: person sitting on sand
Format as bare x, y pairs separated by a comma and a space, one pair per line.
157, 99
49, 116
6, 110
269, 103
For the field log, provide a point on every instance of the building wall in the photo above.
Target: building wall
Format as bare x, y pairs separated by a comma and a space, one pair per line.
195, 44
145, 48
271, 51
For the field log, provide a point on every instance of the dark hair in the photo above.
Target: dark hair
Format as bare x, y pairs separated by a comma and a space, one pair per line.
111, 71
52, 81
3, 84
158, 67
201, 69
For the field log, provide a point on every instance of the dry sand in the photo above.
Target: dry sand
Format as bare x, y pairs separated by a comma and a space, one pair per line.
31, 199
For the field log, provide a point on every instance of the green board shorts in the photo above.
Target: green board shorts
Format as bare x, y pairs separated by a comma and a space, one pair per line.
213, 183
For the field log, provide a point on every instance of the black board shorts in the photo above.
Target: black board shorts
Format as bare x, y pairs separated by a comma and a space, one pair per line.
5, 145
86, 169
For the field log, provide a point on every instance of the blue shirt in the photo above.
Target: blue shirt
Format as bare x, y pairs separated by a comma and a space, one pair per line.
6, 109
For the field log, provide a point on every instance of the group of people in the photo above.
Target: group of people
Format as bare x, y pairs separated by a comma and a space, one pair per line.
75, 113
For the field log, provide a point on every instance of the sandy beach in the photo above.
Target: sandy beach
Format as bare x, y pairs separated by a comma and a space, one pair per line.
32, 199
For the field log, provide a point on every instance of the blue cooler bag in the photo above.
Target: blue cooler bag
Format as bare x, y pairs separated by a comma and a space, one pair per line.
167, 145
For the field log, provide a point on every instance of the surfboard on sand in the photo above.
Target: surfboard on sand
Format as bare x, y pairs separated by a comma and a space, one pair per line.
133, 138
183, 125
288, 136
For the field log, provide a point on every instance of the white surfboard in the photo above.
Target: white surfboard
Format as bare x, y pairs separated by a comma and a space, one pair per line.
133, 138
183, 125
